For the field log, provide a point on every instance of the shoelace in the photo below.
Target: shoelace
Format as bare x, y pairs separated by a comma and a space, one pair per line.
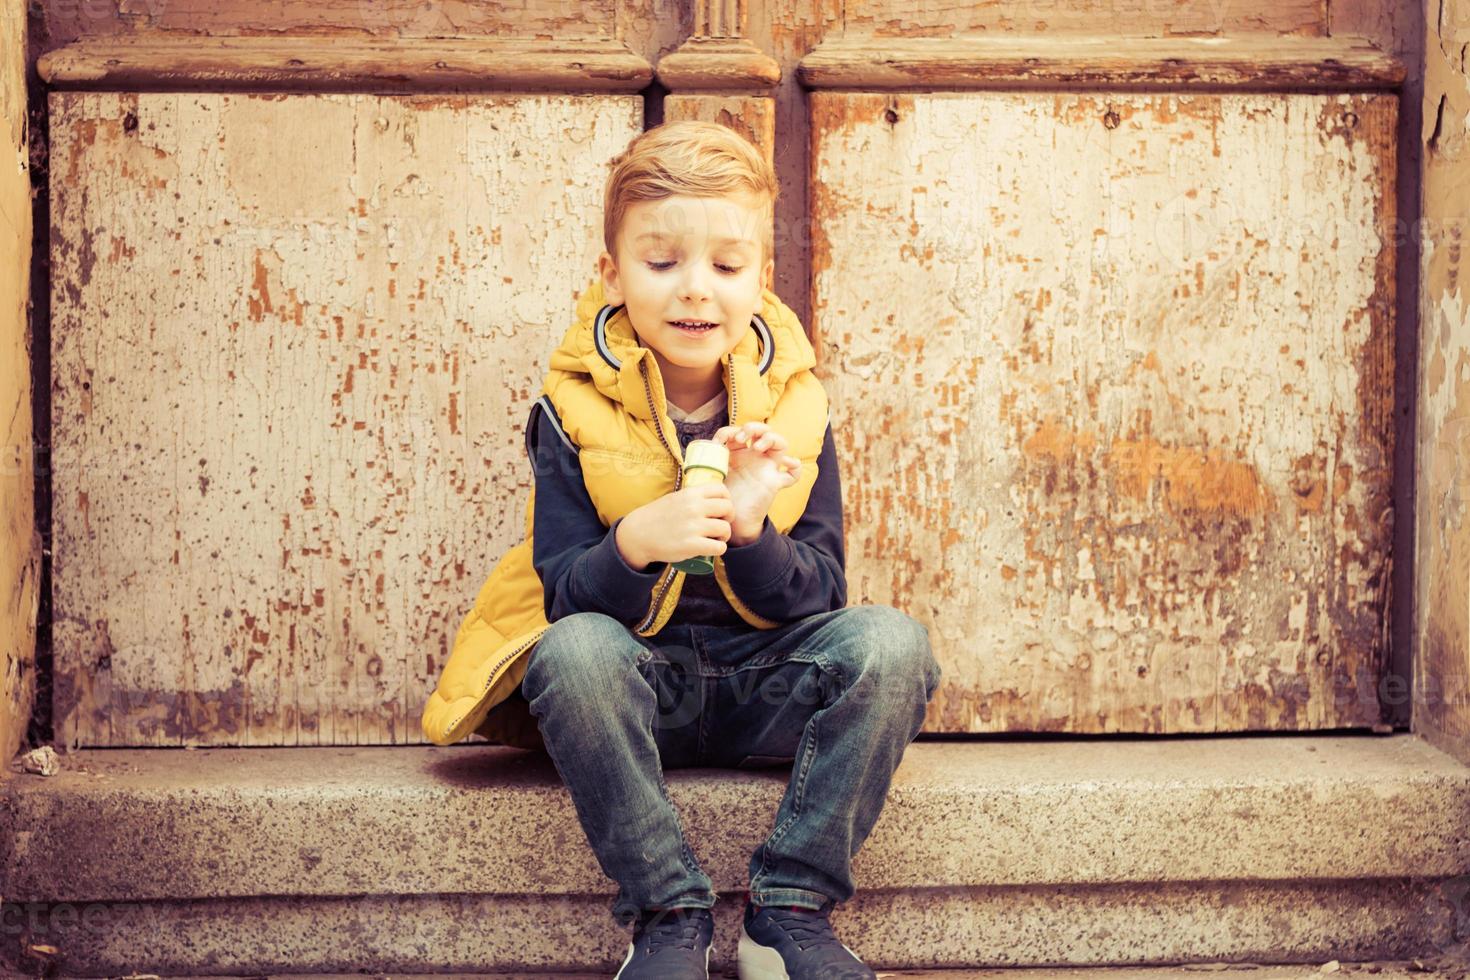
807, 927
672, 928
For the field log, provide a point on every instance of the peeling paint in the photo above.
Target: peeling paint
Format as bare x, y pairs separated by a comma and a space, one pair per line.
1441, 630
293, 471
946, 18
67, 20
20, 568
1159, 369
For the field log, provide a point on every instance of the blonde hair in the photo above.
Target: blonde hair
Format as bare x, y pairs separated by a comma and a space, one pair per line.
694, 158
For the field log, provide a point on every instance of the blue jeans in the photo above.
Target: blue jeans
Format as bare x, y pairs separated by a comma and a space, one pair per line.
838, 695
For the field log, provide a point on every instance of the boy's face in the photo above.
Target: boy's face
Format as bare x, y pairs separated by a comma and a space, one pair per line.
689, 258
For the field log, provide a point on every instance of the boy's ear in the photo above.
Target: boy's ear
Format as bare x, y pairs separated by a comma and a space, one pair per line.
612, 287
768, 273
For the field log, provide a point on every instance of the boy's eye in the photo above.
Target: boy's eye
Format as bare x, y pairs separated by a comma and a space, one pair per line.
661, 266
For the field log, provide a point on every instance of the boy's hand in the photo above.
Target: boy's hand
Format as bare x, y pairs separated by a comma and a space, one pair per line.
759, 468
688, 522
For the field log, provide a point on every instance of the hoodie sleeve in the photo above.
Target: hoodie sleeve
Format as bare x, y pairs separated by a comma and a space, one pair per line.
574, 553
785, 577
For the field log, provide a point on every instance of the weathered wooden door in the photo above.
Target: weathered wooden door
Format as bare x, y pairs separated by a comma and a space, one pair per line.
289, 392
1120, 408
1108, 353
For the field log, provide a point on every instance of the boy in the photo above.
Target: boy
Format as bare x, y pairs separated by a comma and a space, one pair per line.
629, 666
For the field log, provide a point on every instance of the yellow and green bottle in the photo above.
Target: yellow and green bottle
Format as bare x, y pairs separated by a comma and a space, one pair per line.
705, 461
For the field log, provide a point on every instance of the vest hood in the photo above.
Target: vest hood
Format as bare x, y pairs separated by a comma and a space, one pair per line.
602, 345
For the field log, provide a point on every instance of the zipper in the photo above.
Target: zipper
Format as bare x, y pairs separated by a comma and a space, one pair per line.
667, 581
730, 386
490, 680
744, 611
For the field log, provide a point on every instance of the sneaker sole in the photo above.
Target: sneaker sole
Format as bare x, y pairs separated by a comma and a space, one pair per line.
626, 959
757, 962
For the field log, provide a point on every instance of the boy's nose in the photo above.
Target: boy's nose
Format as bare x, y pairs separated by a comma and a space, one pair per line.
695, 285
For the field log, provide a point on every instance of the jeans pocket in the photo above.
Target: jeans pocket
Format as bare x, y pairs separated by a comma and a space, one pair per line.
647, 666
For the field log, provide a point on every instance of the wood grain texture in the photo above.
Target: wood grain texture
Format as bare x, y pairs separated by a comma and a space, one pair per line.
20, 563
295, 342
718, 63
1152, 18
753, 117
1399, 28
1111, 378
652, 28
788, 31
1101, 61
68, 20
719, 18
1441, 682
156, 62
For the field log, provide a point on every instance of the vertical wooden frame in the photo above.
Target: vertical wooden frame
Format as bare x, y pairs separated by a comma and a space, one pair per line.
720, 76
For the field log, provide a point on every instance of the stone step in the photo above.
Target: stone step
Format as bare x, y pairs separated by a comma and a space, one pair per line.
990, 852
1443, 969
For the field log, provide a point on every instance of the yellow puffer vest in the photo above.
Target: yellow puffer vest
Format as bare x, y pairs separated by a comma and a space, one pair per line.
609, 397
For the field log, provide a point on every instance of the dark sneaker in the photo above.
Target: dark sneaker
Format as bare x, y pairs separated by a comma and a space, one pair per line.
785, 943
669, 944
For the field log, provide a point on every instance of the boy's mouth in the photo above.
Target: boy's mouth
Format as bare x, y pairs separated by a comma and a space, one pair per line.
694, 327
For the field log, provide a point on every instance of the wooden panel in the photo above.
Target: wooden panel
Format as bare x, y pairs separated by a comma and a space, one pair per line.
944, 18
295, 341
719, 76
718, 63
155, 62
1399, 28
1112, 379
1441, 705
20, 562
1062, 62
651, 28
788, 31
67, 20
752, 116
